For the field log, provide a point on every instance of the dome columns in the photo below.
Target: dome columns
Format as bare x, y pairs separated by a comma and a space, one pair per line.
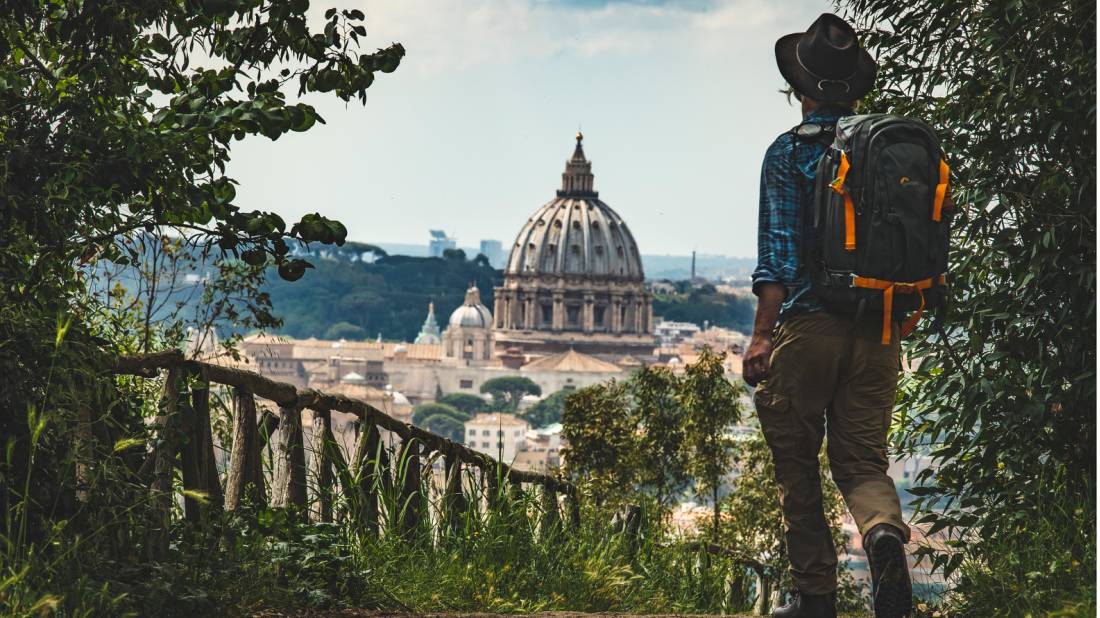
559, 310
589, 320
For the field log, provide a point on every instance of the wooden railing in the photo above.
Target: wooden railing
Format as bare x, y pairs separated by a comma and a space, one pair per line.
184, 435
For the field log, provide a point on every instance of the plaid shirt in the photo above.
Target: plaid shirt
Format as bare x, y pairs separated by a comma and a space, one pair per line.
786, 191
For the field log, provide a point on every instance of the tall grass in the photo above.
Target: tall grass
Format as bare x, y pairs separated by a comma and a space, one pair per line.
503, 555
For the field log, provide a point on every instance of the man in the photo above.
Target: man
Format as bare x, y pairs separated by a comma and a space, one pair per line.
820, 372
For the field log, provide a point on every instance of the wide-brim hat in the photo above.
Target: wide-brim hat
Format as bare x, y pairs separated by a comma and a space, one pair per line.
826, 63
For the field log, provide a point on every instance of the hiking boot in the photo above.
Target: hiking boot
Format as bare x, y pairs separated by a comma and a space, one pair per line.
890, 587
808, 606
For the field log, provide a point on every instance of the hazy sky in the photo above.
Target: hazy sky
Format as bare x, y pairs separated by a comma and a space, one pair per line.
677, 101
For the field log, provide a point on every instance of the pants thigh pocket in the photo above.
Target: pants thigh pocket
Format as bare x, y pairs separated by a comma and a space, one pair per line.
776, 419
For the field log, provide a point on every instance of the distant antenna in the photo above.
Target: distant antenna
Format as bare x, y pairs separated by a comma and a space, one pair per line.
693, 264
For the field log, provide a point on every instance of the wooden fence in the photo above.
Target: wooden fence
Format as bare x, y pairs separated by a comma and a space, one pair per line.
185, 438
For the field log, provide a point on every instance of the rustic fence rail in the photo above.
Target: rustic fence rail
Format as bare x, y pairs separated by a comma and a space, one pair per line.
183, 427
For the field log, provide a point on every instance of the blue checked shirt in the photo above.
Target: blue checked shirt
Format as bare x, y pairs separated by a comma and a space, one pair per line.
786, 191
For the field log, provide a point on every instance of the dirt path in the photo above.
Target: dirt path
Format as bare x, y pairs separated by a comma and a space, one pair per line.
373, 614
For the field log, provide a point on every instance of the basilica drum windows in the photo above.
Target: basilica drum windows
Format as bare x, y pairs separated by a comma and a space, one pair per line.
547, 314
597, 315
572, 314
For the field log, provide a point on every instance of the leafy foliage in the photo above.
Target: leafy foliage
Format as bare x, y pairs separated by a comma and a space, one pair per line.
387, 297
654, 434
467, 403
547, 411
713, 406
706, 304
119, 117
599, 426
662, 468
508, 391
1008, 410
443, 419
345, 330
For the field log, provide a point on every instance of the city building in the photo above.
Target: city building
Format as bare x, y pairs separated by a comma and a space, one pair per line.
574, 278
494, 251
672, 333
469, 334
497, 434
439, 243
543, 450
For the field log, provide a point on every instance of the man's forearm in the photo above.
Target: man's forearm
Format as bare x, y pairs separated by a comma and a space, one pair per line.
768, 304
757, 364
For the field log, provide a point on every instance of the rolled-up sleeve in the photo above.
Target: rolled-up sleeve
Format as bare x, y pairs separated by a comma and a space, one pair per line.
778, 232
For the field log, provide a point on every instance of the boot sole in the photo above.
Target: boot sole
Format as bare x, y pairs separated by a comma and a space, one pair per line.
894, 592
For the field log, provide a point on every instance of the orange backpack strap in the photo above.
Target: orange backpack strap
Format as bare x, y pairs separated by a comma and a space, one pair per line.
837, 185
888, 288
941, 191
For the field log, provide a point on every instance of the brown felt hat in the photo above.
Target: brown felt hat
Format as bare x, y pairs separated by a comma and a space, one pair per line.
826, 63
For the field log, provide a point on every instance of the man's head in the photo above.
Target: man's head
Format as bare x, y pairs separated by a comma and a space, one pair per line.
825, 65
809, 104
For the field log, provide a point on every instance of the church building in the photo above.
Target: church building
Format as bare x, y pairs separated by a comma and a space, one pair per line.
574, 278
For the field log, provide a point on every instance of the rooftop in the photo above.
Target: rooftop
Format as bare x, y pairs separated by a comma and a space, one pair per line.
571, 360
495, 419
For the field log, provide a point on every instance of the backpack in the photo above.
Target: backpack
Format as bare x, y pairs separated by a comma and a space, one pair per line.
877, 231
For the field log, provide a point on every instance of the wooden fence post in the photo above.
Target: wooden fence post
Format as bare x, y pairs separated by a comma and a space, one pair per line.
208, 464
574, 505
289, 486
320, 468
368, 453
551, 518
164, 457
409, 464
189, 461
244, 460
454, 502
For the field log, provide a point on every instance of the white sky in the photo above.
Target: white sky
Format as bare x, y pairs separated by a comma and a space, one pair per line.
677, 101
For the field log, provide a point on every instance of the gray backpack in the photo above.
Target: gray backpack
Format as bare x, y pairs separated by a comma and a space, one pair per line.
878, 232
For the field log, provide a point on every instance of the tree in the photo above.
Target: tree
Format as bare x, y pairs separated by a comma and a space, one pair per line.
662, 464
713, 406
598, 426
470, 404
548, 411
425, 410
508, 391
1005, 396
446, 426
345, 330
110, 131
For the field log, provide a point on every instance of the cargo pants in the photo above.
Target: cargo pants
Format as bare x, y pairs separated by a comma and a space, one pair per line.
830, 376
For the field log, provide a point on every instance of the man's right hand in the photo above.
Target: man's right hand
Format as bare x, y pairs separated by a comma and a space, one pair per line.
757, 362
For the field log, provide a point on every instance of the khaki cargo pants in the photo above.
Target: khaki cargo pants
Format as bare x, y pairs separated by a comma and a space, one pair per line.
829, 375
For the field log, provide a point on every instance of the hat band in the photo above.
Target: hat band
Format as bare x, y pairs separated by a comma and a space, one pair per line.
821, 80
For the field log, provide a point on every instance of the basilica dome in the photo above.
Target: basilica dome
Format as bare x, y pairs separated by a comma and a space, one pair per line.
576, 234
574, 277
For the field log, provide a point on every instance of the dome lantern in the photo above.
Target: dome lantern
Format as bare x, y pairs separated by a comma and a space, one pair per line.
577, 180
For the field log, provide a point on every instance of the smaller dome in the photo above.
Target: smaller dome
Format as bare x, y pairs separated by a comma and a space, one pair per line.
399, 348
353, 378
472, 314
